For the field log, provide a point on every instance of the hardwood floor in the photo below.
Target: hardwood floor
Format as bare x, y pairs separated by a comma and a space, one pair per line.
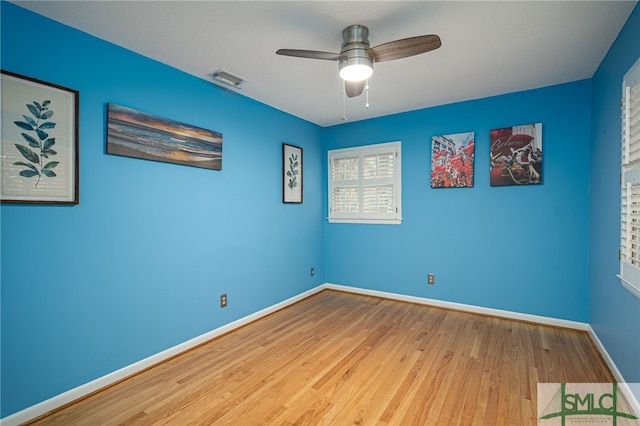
343, 359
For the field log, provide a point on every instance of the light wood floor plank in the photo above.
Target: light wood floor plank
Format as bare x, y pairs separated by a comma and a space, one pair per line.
343, 359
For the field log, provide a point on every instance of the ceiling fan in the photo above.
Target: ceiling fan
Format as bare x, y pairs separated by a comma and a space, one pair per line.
356, 58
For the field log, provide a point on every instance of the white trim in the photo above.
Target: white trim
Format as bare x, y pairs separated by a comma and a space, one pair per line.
360, 153
57, 401
633, 399
630, 177
629, 286
368, 221
463, 307
71, 395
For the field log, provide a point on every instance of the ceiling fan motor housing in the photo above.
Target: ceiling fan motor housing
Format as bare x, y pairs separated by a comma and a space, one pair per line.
355, 64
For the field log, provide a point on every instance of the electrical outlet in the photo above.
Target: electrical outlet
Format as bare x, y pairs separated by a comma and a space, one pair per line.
431, 279
223, 300
312, 272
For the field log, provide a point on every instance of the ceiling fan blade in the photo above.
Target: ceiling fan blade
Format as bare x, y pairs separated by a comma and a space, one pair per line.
406, 47
353, 88
311, 54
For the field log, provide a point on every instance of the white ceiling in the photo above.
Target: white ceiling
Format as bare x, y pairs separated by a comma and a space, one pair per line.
488, 48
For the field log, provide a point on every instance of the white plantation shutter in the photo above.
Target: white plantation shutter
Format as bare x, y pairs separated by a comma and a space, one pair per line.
378, 184
630, 182
345, 196
346, 199
364, 184
631, 125
630, 224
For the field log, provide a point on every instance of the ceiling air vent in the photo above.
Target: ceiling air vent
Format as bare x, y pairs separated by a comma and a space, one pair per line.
225, 77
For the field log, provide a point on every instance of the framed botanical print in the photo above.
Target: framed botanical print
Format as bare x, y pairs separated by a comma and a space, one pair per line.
38, 142
291, 174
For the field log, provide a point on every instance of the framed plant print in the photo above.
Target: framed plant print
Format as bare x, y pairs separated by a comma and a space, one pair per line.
516, 155
452, 158
291, 174
38, 142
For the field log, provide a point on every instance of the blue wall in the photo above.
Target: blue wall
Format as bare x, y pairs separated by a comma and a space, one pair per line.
521, 249
139, 265
614, 311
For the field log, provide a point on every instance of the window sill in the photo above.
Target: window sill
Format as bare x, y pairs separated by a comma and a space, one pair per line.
367, 221
633, 289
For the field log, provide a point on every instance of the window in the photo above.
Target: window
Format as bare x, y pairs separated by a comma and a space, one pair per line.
630, 182
364, 184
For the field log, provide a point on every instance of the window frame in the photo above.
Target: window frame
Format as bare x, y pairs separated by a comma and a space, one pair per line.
629, 274
390, 218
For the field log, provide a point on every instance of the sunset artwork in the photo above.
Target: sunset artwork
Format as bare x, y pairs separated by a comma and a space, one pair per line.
133, 133
452, 158
516, 155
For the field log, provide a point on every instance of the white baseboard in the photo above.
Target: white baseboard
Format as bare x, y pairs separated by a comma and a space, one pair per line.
632, 398
104, 381
462, 307
111, 378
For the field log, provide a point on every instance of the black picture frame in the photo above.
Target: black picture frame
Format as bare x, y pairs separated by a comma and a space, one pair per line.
292, 174
39, 141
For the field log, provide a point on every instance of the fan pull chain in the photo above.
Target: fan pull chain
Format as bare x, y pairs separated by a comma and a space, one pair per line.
344, 103
366, 87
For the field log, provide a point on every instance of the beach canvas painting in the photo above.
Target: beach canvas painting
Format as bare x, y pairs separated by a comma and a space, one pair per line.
133, 133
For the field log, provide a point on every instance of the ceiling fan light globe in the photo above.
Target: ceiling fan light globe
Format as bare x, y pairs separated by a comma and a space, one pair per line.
356, 72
